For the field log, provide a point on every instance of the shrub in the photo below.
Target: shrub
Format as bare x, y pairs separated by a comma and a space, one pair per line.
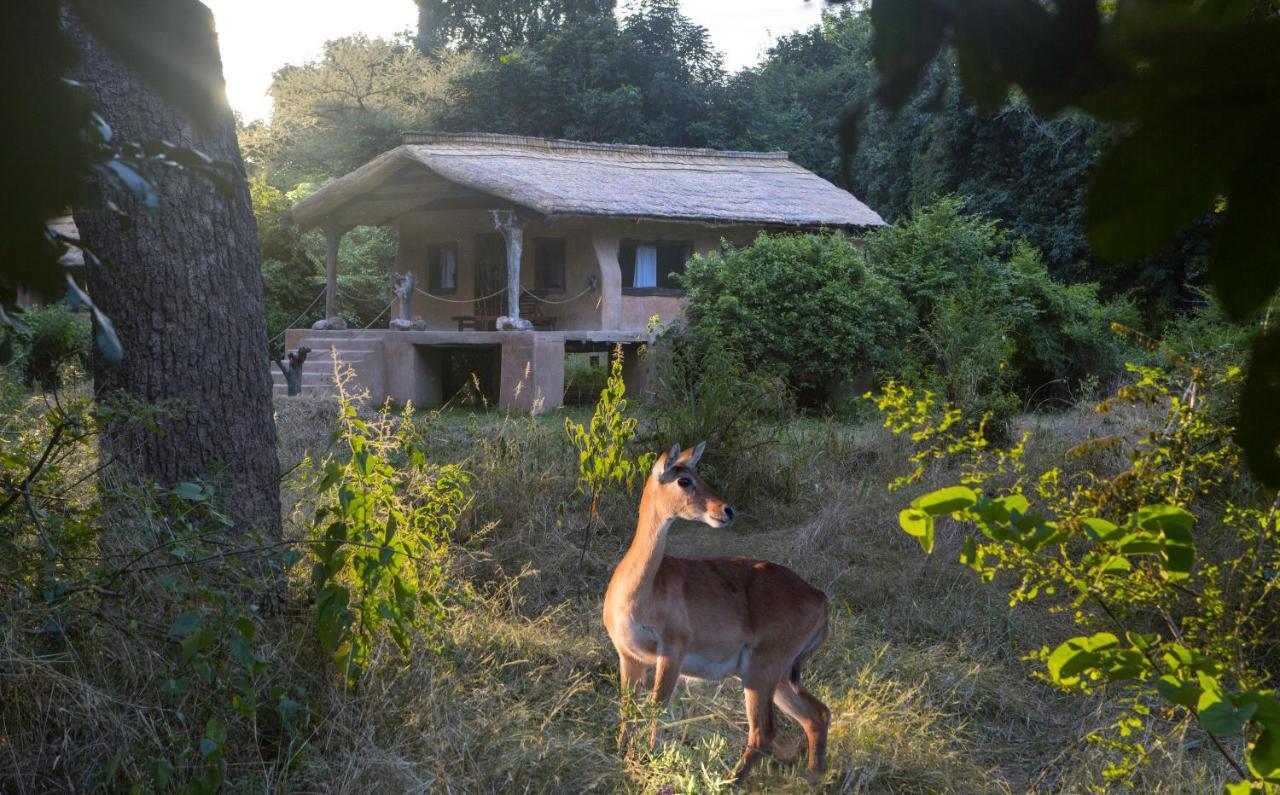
992, 322
1178, 621
702, 392
805, 308
605, 458
56, 337
380, 532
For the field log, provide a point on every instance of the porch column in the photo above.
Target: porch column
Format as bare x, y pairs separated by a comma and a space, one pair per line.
606, 249
512, 228
332, 239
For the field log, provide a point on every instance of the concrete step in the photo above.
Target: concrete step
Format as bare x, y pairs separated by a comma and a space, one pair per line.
307, 389
325, 350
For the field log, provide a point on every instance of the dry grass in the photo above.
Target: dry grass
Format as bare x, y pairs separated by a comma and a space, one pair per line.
923, 668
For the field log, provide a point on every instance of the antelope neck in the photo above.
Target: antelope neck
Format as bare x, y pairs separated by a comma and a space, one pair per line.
640, 565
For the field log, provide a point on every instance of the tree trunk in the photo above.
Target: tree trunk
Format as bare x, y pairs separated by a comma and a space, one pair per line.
183, 287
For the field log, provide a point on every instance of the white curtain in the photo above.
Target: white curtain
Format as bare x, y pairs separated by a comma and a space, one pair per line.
646, 267
449, 268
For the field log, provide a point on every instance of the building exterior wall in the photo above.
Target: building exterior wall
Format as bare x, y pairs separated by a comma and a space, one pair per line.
591, 248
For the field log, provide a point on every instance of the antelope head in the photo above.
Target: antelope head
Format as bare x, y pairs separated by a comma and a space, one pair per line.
678, 492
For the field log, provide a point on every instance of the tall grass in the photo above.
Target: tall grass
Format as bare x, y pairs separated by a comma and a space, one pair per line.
923, 668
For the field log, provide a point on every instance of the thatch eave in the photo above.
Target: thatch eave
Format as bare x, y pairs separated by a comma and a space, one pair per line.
555, 179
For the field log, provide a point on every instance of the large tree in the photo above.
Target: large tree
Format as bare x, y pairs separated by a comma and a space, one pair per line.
332, 115
650, 78
494, 27
181, 282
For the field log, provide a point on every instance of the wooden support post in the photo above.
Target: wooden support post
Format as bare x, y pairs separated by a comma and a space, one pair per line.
332, 239
512, 228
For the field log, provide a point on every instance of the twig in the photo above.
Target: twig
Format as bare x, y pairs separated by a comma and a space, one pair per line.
58, 430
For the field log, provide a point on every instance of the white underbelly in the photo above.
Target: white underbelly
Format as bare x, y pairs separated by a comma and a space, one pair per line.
698, 666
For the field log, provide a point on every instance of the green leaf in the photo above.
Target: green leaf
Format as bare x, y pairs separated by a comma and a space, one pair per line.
191, 492
945, 501
196, 642
1100, 529
1264, 758
1258, 426
1171, 520
970, 554
1155, 182
1217, 714
918, 524
1178, 691
1077, 655
1245, 269
162, 773
185, 624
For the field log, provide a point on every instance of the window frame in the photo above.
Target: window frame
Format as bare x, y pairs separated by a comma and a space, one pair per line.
540, 282
627, 265
435, 268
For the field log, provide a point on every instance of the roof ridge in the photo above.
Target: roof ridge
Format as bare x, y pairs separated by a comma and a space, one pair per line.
563, 145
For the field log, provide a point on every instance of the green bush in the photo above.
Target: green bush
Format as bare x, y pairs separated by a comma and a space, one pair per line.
55, 338
994, 329
702, 392
806, 308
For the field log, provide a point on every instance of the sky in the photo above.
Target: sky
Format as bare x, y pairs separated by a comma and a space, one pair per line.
257, 37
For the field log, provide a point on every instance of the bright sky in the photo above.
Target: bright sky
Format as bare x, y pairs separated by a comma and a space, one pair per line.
260, 36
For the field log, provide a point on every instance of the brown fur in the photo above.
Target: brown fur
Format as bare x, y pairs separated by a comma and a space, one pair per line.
714, 617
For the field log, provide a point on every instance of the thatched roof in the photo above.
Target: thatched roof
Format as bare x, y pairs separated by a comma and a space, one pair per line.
570, 178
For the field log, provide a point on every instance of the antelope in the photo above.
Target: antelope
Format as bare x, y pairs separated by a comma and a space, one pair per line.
711, 618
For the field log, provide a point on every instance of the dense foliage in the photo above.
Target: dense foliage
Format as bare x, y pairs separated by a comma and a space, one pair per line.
49, 340
647, 78
293, 265
1180, 619
578, 70
942, 298
803, 307
334, 114
992, 327
1171, 78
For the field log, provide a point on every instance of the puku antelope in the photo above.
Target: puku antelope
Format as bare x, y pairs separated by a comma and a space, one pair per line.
710, 618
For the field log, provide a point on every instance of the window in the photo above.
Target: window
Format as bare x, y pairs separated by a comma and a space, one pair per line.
548, 265
648, 267
442, 269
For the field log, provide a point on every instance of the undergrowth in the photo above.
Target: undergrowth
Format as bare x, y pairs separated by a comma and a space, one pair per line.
505, 681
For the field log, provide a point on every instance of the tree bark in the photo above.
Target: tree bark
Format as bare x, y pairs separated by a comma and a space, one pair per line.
183, 287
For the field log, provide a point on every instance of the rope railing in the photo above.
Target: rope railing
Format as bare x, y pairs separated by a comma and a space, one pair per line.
379, 316
344, 294
537, 297
460, 300
310, 306
359, 299
503, 291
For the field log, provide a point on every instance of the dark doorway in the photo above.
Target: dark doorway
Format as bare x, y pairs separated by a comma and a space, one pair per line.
471, 375
491, 275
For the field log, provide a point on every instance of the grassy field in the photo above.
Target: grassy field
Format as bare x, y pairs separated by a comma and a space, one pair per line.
923, 669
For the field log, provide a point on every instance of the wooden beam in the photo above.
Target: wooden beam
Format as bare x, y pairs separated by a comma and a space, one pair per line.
332, 240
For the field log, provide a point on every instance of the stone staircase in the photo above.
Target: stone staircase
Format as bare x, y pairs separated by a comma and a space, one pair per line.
317, 372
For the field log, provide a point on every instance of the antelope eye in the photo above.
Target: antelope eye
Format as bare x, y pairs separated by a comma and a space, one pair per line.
684, 483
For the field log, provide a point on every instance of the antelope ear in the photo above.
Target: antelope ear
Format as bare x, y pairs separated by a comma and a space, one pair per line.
696, 455
663, 466
673, 456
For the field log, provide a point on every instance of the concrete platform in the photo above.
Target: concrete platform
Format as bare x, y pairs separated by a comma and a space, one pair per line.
406, 366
